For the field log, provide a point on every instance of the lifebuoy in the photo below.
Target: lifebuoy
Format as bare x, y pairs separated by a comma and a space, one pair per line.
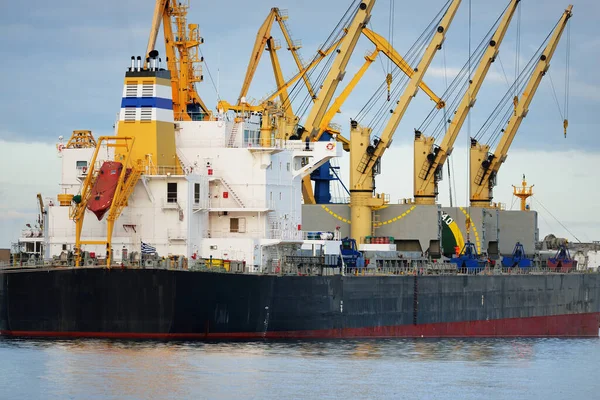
329, 146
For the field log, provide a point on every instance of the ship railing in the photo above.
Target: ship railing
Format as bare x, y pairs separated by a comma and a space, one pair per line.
285, 234
228, 234
340, 200
201, 143
31, 233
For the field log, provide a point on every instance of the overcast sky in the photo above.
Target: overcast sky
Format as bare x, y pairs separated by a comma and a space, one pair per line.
63, 64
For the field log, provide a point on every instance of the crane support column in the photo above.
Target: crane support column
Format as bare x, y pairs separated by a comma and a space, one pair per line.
362, 201
366, 161
484, 166
428, 158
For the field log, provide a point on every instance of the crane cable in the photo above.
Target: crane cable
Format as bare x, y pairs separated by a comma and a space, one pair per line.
459, 85
564, 115
334, 36
467, 222
556, 219
388, 77
417, 48
446, 122
502, 104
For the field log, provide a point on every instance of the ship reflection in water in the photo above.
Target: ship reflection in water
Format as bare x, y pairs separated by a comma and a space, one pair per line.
336, 369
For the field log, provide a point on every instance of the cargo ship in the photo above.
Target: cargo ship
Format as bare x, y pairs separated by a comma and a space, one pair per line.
200, 233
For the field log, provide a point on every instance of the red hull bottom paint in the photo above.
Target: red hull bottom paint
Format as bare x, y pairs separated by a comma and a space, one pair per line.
571, 325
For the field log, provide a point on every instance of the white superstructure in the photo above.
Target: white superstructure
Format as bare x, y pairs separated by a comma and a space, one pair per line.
236, 199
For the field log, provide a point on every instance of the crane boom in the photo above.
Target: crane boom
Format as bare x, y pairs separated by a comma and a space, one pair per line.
383, 46
428, 159
484, 166
386, 48
365, 159
159, 10
293, 47
338, 68
264, 32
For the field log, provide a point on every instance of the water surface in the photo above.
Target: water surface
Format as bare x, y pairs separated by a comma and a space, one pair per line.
334, 369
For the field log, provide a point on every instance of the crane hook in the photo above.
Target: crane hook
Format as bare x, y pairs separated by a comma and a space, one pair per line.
388, 80
565, 126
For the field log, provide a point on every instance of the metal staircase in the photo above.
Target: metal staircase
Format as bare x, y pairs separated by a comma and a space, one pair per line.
233, 135
232, 192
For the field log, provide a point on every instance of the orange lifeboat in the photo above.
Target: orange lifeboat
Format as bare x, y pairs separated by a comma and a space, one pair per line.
105, 187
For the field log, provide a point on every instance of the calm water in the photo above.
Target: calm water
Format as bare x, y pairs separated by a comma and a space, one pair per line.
337, 369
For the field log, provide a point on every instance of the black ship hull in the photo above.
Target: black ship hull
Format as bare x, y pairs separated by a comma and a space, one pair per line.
162, 304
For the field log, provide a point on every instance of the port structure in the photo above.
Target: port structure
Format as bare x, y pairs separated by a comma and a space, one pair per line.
125, 186
182, 42
365, 155
523, 192
484, 165
429, 158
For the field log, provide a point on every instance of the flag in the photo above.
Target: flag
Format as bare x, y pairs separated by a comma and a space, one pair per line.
147, 249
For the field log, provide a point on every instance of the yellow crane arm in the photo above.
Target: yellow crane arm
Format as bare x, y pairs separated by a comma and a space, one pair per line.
279, 79
264, 32
484, 167
386, 48
338, 68
159, 10
293, 47
320, 55
366, 170
429, 161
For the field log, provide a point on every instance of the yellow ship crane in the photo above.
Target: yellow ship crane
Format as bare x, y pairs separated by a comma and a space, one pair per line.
381, 46
286, 120
265, 40
312, 125
484, 166
365, 158
183, 59
125, 185
338, 69
429, 159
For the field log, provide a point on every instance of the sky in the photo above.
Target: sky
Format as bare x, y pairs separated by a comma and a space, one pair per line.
63, 64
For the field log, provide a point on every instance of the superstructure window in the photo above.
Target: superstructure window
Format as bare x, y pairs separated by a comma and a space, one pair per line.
196, 193
237, 225
172, 192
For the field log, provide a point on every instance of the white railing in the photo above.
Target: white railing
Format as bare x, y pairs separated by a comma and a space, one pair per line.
282, 234
340, 200
31, 233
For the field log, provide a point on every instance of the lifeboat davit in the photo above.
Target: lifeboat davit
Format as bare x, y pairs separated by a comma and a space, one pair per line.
104, 189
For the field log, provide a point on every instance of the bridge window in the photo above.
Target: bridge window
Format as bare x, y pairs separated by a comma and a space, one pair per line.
172, 192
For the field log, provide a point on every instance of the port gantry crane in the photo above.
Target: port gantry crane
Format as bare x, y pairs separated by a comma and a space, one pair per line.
429, 159
183, 59
365, 158
483, 165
